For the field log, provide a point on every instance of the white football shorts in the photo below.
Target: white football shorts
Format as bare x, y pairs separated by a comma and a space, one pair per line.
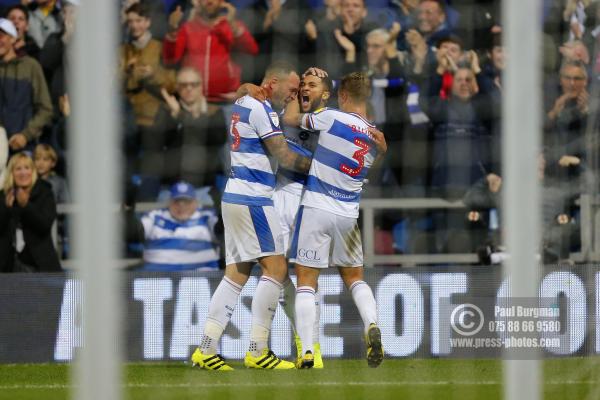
286, 204
251, 232
323, 239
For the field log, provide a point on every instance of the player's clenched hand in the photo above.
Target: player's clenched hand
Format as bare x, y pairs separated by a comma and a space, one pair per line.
379, 140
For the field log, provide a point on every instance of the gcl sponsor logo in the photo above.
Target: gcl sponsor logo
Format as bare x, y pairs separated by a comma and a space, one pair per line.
308, 254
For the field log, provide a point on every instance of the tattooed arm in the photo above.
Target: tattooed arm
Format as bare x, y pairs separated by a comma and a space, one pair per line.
278, 147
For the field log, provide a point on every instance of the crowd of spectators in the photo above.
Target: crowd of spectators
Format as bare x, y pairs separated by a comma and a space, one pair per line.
436, 68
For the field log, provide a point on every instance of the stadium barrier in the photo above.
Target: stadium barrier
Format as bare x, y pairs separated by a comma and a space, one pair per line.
40, 320
589, 216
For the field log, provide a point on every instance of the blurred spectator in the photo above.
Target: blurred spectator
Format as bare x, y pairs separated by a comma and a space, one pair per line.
25, 45
432, 21
407, 16
382, 62
141, 66
494, 67
44, 19
461, 153
177, 238
280, 35
27, 213
479, 20
157, 12
318, 30
560, 225
448, 56
25, 108
566, 21
205, 42
566, 123
575, 15
591, 34
187, 137
339, 45
461, 130
53, 56
406, 124
490, 79
45, 160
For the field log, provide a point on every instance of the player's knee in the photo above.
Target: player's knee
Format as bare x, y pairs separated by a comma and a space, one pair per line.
351, 275
238, 273
274, 267
307, 276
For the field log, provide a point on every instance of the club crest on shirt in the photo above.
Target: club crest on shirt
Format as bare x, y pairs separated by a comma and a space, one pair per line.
274, 118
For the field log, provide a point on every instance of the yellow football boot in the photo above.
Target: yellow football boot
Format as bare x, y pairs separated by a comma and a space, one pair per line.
267, 360
306, 361
374, 346
318, 357
298, 343
213, 362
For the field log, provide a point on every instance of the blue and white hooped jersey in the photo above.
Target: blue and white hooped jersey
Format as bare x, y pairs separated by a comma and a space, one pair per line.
252, 178
173, 245
341, 161
303, 142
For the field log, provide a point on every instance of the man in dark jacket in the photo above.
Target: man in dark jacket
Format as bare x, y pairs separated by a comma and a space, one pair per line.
25, 106
187, 137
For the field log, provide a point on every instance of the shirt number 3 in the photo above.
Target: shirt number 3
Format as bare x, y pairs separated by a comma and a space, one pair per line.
359, 156
235, 142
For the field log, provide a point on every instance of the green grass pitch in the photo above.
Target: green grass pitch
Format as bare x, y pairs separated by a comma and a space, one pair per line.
572, 378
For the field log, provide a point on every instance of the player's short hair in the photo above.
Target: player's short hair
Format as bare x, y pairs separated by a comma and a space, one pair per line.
44, 149
357, 85
139, 9
326, 82
279, 69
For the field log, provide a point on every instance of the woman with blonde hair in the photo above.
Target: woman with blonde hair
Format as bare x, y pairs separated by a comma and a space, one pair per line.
27, 212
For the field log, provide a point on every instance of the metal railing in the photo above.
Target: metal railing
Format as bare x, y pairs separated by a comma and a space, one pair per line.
590, 236
368, 207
